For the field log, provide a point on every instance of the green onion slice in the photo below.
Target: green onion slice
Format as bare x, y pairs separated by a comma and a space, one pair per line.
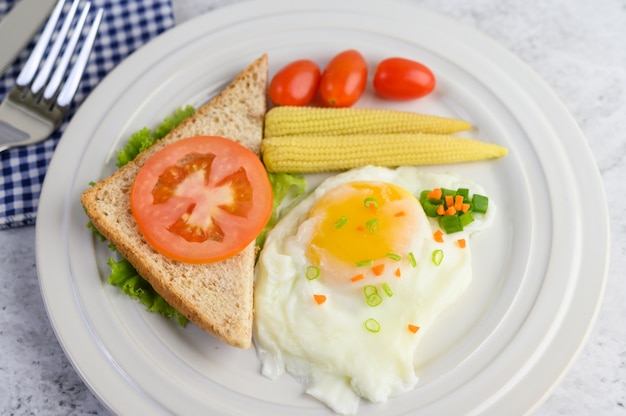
372, 325
369, 290
341, 222
387, 289
370, 202
374, 300
394, 256
412, 259
312, 272
437, 257
372, 225
363, 263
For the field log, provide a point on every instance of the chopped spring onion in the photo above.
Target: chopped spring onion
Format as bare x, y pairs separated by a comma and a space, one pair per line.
437, 257
371, 296
372, 225
394, 256
372, 325
374, 300
480, 203
371, 203
312, 272
387, 289
363, 263
457, 205
451, 224
369, 290
341, 222
412, 259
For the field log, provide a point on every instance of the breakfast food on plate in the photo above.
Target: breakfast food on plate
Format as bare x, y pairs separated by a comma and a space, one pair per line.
216, 296
351, 278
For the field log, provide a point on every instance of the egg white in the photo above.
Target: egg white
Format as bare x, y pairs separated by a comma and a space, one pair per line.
326, 346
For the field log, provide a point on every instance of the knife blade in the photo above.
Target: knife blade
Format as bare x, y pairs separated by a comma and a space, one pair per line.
19, 26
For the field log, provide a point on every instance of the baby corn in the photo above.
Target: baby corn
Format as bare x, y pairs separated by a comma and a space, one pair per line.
311, 154
286, 121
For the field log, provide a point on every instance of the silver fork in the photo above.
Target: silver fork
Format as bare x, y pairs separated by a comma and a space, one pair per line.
42, 94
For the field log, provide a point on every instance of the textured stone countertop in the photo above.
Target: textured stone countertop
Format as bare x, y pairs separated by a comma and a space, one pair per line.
577, 46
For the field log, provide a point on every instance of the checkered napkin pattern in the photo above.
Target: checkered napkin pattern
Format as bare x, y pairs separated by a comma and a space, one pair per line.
126, 25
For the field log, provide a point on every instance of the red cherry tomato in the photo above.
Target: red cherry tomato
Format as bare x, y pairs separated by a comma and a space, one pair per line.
201, 199
403, 79
295, 84
344, 79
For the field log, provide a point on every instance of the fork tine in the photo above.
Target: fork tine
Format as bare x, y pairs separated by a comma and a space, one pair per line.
46, 69
71, 84
57, 76
27, 73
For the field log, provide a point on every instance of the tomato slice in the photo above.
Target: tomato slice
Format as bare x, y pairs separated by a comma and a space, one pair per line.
201, 199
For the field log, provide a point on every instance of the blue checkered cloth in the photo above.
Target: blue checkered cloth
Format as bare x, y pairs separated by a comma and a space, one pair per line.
126, 25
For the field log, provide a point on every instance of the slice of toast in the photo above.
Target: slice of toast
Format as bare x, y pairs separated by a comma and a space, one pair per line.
217, 297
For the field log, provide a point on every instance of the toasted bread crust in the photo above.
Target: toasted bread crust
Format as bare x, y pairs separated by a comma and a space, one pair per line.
217, 297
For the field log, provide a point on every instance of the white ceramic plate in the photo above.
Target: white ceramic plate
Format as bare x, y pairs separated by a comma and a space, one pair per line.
539, 272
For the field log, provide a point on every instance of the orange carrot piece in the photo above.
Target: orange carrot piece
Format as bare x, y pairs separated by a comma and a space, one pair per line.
358, 277
438, 236
465, 207
450, 211
360, 228
449, 201
458, 202
319, 299
440, 209
378, 269
414, 328
461, 242
435, 194
399, 214
398, 272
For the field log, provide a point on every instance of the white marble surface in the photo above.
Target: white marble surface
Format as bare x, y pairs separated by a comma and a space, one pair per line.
577, 46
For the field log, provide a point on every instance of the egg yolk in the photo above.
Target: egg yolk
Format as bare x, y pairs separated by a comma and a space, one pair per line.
362, 221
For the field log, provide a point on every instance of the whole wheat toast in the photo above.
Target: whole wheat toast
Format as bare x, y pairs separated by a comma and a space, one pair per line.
217, 297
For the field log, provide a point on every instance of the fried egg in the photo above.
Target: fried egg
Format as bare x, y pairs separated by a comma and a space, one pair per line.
351, 278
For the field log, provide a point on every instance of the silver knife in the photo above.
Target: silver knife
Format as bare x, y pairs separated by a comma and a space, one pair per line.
19, 26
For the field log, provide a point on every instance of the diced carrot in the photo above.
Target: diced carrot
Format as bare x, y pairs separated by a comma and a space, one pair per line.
461, 242
378, 269
465, 207
438, 236
360, 228
458, 202
450, 211
449, 201
399, 214
414, 328
398, 272
434, 194
440, 209
358, 277
319, 299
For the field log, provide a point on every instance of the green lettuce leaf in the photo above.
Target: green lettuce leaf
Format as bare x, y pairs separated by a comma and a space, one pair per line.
144, 138
124, 276
283, 184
